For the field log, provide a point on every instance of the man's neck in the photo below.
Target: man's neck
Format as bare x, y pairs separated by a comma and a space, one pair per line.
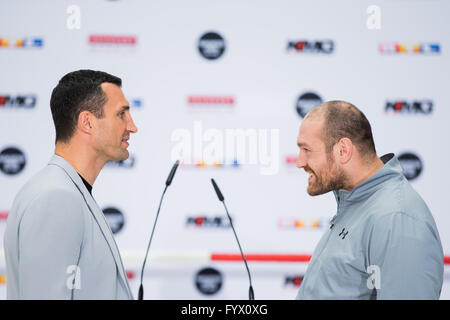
367, 171
82, 159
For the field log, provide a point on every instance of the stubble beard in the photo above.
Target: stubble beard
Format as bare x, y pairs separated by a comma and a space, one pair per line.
331, 178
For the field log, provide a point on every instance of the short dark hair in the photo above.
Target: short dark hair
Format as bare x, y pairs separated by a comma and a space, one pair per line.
76, 92
344, 120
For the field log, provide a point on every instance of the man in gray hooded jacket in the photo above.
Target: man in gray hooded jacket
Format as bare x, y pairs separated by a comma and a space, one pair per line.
383, 242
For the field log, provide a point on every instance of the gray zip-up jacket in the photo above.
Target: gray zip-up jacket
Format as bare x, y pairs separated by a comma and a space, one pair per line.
382, 244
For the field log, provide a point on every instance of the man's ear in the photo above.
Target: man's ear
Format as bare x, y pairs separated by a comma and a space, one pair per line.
344, 150
85, 121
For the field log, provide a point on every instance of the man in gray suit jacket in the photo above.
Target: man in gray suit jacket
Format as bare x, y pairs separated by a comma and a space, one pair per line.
57, 242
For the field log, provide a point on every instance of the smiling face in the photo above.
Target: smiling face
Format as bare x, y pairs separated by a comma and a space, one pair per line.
113, 130
324, 172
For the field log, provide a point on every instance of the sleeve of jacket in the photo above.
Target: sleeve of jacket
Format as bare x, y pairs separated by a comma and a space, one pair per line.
50, 239
406, 255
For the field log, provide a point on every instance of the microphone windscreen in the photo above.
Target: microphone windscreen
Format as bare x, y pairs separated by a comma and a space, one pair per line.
172, 173
219, 194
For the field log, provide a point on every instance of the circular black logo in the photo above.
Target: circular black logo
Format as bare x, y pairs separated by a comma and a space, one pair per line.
114, 218
411, 164
208, 281
211, 45
306, 102
12, 161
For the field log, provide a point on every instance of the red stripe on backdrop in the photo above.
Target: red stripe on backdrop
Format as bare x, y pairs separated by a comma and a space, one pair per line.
273, 257
3, 215
262, 257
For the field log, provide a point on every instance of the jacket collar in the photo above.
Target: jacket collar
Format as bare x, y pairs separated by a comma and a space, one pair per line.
391, 170
96, 212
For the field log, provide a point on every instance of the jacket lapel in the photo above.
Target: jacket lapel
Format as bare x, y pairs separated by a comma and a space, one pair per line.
96, 213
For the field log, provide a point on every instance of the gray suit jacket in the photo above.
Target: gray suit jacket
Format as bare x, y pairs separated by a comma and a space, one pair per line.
57, 242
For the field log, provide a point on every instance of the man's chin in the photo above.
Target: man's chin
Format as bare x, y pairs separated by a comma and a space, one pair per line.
314, 192
124, 154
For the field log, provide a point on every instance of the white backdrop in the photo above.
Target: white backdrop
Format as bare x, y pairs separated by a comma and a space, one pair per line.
254, 84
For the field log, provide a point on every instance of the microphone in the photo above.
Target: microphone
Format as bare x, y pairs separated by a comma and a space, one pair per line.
251, 294
168, 182
172, 173
216, 187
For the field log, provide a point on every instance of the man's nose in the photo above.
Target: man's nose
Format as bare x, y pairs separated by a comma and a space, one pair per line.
131, 126
301, 163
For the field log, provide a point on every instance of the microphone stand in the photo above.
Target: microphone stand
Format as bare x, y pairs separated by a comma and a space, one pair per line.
251, 294
168, 182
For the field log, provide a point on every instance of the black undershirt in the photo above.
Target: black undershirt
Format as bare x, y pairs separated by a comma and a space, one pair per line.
88, 186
